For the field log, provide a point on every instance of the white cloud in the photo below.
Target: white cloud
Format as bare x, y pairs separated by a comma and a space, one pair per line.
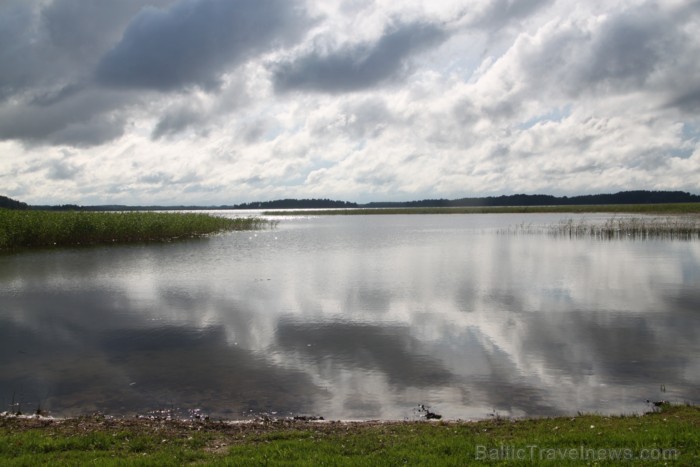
382, 100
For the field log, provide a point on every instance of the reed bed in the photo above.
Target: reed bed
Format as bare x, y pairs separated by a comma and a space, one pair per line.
675, 227
28, 229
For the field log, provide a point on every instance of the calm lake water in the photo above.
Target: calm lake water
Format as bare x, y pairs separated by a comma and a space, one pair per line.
354, 317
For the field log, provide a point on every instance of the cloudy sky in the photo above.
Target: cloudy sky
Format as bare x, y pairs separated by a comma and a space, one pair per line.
229, 101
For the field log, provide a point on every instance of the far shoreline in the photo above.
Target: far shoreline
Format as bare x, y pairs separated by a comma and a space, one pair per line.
658, 209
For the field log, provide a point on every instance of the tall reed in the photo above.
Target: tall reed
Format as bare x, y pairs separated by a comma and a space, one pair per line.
24, 229
672, 227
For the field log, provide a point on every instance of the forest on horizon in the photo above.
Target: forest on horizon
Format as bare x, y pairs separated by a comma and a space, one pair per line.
622, 197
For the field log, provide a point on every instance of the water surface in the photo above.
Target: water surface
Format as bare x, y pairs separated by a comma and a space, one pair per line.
358, 317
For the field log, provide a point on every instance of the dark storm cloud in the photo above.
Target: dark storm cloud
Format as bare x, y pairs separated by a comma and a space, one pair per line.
629, 48
48, 51
52, 52
18, 69
360, 66
194, 41
48, 97
91, 132
643, 49
85, 29
688, 101
58, 43
176, 121
501, 12
82, 119
638, 49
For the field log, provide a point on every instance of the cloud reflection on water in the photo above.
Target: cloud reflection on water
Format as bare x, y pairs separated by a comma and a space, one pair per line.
351, 318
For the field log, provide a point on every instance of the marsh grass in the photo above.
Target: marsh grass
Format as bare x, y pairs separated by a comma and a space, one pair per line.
671, 227
29, 229
670, 434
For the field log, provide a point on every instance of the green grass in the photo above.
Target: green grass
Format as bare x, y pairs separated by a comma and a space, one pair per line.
671, 208
29, 229
668, 436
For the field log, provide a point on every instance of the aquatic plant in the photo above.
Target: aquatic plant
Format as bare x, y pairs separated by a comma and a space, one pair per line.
26, 229
672, 227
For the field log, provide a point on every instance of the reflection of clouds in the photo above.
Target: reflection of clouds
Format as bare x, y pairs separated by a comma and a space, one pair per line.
357, 318
112, 360
388, 350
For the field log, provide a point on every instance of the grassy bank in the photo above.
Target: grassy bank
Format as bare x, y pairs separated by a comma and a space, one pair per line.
673, 208
669, 436
28, 229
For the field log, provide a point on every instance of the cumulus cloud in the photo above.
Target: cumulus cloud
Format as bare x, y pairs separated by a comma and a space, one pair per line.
176, 120
20, 58
71, 71
80, 118
688, 102
213, 101
497, 13
50, 45
85, 29
194, 41
359, 66
47, 57
62, 170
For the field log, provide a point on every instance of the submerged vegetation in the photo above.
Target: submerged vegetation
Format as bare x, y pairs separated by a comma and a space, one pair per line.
669, 434
27, 229
672, 227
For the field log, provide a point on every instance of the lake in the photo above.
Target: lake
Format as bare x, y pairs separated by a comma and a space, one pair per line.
354, 317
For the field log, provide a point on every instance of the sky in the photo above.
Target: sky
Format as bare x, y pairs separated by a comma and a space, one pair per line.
228, 101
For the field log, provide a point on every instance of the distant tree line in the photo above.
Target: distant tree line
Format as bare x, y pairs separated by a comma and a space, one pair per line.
297, 203
9, 203
622, 197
